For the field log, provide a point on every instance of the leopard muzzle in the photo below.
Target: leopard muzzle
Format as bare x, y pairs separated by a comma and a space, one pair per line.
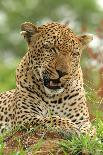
52, 85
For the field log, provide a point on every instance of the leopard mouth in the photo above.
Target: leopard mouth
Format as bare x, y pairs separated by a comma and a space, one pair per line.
53, 84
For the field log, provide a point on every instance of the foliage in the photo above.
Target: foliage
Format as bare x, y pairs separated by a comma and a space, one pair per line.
73, 146
84, 144
7, 76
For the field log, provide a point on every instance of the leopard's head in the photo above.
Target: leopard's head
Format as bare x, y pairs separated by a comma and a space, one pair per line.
55, 51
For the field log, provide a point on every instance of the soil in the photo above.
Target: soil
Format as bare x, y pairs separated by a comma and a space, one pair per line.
21, 140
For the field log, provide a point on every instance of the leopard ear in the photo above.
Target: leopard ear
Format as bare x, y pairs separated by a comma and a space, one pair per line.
85, 39
28, 30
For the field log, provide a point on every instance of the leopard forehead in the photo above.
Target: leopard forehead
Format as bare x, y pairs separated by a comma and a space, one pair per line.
61, 33
55, 27
54, 33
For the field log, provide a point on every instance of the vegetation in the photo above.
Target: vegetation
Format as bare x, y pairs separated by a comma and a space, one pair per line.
84, 144
7, 76
48, 141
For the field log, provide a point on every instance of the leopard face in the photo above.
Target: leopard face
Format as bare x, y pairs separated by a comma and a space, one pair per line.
55, 52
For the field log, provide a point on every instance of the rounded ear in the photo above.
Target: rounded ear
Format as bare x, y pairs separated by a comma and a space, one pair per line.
28, 29
85, 39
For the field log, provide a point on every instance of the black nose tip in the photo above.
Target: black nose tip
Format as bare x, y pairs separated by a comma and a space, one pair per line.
61, 73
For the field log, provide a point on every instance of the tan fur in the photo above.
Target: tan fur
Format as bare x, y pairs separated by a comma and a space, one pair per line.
54, 53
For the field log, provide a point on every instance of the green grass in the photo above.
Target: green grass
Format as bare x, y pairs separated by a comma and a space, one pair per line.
7, 75
85, 144
1, 145
69, 146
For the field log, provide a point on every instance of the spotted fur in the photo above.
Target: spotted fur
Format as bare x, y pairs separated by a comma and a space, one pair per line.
49, 83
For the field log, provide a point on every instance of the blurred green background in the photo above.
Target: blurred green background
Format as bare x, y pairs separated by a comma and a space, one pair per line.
83, 16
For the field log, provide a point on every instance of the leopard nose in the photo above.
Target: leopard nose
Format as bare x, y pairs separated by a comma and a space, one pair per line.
61, 73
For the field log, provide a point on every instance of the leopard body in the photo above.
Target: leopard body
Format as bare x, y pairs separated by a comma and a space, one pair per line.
49, 81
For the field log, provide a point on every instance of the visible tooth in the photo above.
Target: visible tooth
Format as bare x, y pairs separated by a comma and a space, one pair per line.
54, 84
51, 83
59, 84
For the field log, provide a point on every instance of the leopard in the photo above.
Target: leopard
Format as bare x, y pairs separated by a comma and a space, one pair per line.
49, 82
